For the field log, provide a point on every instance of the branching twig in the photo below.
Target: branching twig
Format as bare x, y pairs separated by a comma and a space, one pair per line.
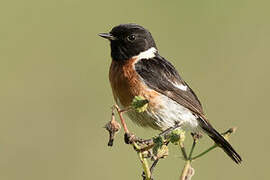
188, 171
145, 166
156, 147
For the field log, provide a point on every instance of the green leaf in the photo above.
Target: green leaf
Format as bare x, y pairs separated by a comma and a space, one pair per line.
139, 104
158, 142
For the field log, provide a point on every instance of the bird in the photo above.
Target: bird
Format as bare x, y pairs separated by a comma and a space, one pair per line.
137, 69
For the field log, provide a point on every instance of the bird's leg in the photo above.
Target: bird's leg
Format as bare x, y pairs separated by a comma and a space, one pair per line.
129, 137
120, 113
170, 129
167, 131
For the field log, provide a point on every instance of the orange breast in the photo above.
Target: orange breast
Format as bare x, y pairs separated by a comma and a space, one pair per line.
126, 83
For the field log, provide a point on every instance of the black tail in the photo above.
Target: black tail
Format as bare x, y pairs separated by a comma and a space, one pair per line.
220, 141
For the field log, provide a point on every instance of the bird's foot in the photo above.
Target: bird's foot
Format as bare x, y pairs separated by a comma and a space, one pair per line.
130, 138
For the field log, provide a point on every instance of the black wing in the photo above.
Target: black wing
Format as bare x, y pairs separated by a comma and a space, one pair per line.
160, 75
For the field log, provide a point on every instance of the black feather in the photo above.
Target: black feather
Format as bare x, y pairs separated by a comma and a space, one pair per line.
220, 141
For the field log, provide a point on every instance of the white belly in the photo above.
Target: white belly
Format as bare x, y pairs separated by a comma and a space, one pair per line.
170, 113
166, 114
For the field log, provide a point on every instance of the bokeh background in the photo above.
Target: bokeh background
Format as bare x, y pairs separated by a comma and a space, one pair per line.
55, 96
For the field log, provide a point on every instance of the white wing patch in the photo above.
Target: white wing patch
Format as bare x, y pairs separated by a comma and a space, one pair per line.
180, 86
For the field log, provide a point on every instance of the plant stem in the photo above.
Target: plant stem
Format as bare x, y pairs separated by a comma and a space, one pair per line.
183, 150
205, 152
226, 136
145, 166
192, 149
185, 171
143, 161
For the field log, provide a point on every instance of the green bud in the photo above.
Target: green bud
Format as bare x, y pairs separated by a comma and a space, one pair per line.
176, 136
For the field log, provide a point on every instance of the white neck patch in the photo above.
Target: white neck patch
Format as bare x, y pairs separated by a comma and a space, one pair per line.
149, 53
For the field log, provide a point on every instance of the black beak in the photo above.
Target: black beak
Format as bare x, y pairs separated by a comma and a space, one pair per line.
107, 36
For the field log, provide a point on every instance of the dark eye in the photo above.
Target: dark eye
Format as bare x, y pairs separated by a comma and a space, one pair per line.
131, 38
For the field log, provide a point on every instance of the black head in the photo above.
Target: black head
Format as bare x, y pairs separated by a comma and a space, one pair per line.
128, 40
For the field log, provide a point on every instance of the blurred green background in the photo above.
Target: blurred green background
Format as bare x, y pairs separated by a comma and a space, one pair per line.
55, 95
